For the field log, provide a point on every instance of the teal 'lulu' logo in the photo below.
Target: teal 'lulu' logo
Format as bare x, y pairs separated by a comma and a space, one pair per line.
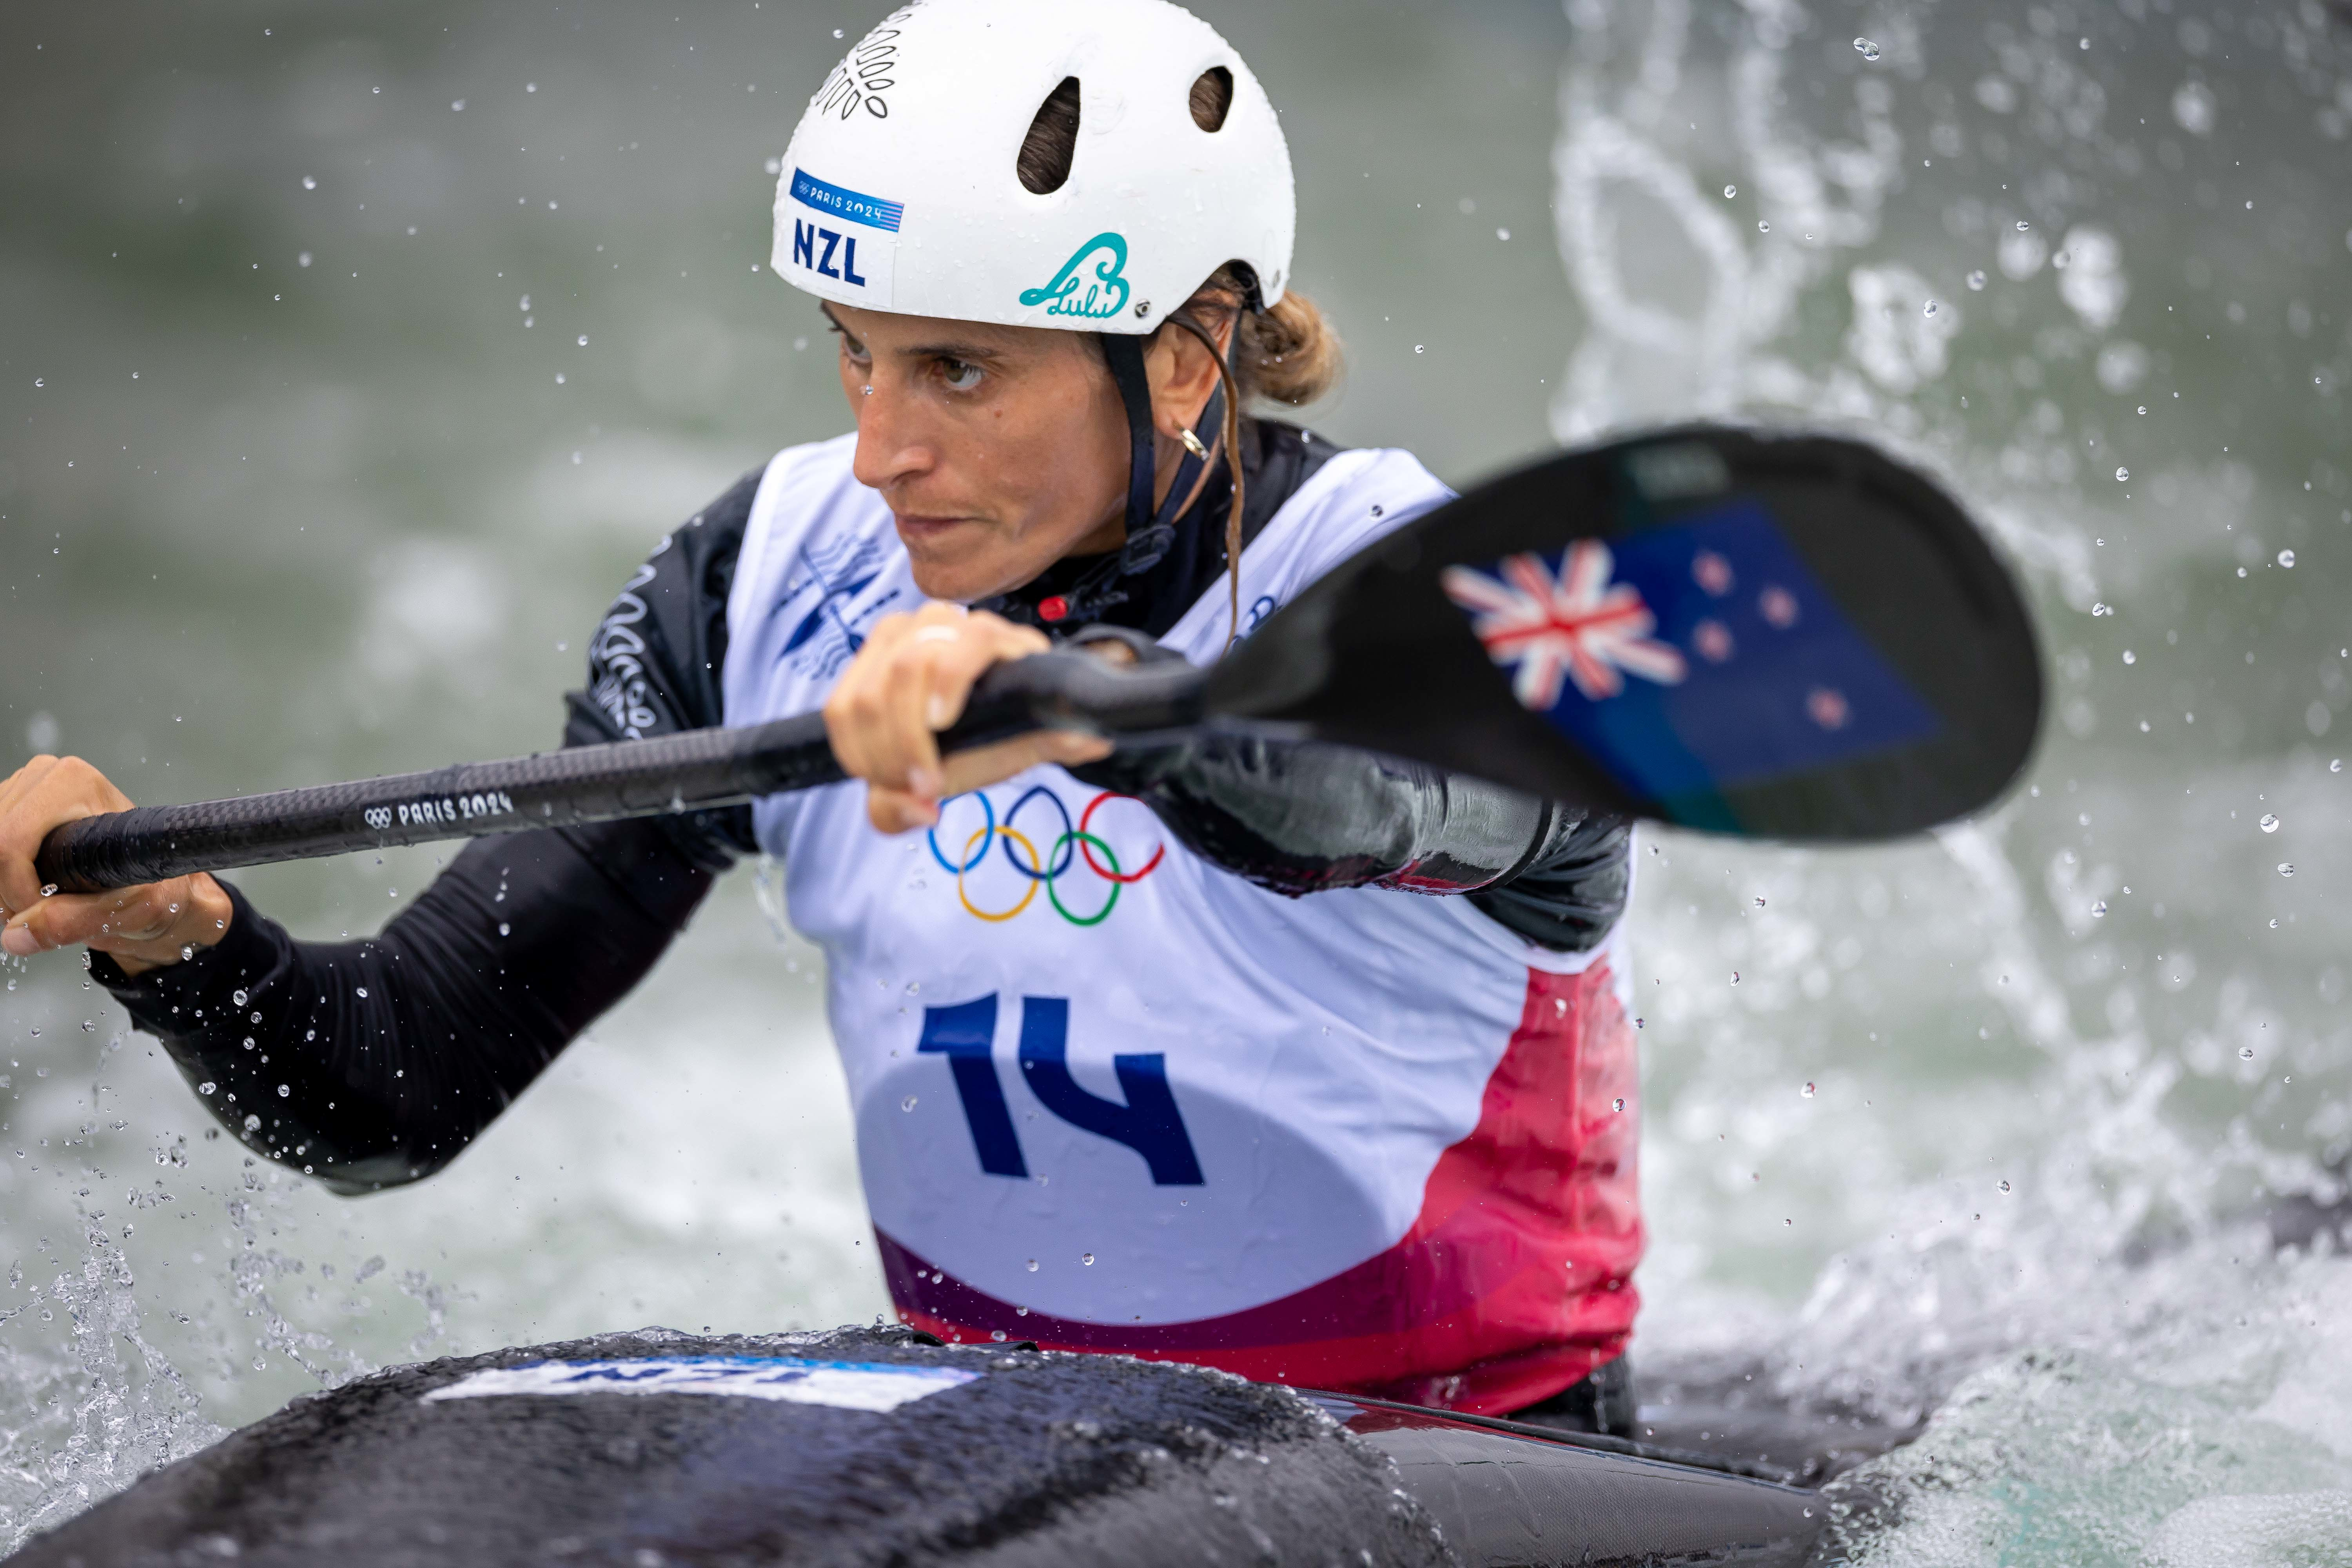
1105, 296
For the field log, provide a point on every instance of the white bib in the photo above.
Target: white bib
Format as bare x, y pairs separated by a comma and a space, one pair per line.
1093, 1075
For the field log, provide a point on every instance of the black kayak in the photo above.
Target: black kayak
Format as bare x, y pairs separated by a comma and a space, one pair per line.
884, 1446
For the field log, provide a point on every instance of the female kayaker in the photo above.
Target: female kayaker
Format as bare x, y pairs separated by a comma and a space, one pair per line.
1281, 1059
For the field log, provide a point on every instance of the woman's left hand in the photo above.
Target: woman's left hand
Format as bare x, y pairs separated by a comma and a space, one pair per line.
910, 681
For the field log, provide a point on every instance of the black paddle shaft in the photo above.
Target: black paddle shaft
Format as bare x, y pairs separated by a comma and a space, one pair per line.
687, 772
1816, 643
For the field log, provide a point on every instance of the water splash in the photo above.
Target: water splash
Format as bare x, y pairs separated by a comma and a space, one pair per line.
2117, 1054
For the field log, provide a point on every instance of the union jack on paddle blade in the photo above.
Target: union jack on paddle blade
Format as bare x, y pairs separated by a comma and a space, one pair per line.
1577, 627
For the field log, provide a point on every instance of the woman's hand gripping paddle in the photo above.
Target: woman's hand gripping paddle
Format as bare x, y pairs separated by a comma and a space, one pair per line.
1782, 637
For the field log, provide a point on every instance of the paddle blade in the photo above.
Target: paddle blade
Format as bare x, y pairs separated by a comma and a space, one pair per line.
1783, 636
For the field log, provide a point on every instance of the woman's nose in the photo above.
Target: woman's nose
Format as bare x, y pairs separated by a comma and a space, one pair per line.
891, 447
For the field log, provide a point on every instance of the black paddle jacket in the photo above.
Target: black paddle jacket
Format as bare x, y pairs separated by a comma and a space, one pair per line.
371, 1063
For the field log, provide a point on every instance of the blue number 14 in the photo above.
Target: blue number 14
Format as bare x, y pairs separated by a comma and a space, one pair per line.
1148, 1122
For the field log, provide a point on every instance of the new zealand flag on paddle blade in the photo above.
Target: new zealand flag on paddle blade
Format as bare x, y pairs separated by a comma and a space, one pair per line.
1690, 658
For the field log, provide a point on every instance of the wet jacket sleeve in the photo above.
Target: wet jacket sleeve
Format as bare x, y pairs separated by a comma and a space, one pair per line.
1299, 817
371, 1063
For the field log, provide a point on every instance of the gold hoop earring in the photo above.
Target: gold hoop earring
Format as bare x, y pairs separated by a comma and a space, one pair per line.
1192, 445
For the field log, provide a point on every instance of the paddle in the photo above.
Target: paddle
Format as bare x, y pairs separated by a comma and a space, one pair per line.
1781, 635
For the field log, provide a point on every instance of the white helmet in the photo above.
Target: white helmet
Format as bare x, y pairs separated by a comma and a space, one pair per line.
900, 191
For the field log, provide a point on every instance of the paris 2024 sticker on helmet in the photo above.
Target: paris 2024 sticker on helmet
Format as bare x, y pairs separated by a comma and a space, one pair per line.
1692, 658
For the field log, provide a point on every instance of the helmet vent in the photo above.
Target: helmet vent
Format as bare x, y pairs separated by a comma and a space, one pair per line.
1051, 144
1213, 96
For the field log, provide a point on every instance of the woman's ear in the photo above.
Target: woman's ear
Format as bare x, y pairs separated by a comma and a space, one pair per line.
1182, 373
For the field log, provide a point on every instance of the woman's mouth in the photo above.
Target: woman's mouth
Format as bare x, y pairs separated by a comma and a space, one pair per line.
914, 528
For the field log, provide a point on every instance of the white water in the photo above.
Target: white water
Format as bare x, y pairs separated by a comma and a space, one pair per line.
2060, 1057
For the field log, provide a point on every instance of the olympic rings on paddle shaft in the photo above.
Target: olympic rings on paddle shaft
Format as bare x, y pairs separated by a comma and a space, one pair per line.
1075, 842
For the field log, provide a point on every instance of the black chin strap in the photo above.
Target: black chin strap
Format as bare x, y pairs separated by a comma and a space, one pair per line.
1151, 530
1126, 356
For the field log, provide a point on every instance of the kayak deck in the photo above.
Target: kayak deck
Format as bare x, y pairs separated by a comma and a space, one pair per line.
876, 1445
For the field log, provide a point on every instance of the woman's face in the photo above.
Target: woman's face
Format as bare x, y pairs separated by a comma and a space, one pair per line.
998, 450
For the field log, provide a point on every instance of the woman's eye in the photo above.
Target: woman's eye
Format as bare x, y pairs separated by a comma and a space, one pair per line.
961, 374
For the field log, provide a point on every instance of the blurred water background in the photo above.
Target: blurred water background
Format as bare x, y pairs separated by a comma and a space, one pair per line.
351, 355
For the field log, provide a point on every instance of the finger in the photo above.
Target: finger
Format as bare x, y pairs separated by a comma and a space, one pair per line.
853, 705
905, 752
896, 811
124, 915
171, 920
905, 748
55, 791
987, 641
16, 784
20, 836
993, 763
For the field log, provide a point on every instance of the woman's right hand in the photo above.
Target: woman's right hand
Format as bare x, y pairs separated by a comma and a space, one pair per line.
140, 927
909, 682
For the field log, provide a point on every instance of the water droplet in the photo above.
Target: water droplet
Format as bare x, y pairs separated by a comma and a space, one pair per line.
2004, 1187
1759, 900
996, 1335
206, 1087
2130, 657
836, 32
907, 1103
1502, 234
2245, 1053
237, 997
1763, 225
1977, 279
1928, 309
283, 1091
1087, 1258
458, 104
2099, 910
310, 183
2270, 824
362, 990
2286, 559
583, 340
1866, 48
303, 259
504, 929
2102, 609
2122, 473
1033, 1266
252, 1123
1809, 1092
1420, 348
2022, 226
1735, 977
1729, 192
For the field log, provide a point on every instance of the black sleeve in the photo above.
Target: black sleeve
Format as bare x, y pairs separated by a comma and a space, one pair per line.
371, 1063
1300, 818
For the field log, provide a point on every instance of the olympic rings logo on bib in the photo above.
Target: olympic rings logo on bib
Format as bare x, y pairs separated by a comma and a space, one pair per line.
1077, 847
